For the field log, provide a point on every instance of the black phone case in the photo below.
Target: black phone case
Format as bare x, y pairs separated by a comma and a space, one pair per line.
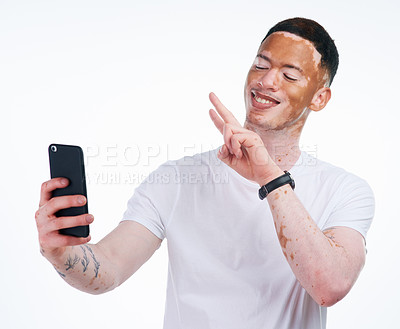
67, 161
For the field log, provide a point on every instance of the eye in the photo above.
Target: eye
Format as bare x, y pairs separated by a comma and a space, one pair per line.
258, 67
290, 78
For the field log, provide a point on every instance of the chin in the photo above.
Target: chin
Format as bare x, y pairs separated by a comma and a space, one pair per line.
261, 124
257, 124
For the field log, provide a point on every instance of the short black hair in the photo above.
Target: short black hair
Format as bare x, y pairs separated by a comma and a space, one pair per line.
317, 35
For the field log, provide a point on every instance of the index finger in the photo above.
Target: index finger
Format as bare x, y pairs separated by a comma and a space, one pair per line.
217, 121
225, 114
49, 186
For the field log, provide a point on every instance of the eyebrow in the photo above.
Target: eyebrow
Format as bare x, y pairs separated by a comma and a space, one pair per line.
290, 66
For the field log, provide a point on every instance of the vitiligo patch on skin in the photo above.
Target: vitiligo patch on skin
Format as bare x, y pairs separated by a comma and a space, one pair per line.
316, 55
302, 83
295, 97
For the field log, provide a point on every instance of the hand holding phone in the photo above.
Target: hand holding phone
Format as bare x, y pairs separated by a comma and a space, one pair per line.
67, 161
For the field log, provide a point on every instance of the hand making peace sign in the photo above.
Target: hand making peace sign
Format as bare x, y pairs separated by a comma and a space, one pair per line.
243, 149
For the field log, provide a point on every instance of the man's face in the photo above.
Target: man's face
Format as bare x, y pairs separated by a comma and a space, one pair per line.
281, 82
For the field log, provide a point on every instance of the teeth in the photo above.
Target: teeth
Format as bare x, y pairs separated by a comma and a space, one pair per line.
262, 100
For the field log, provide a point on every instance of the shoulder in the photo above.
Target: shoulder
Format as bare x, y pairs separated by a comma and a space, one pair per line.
203, 159
328, 173
190, 169
348, 199
333, 183
318, 179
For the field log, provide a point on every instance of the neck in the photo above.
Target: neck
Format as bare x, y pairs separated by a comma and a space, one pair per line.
282, 145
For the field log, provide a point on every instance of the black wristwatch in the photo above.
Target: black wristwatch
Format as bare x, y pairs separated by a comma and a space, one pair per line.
266, 189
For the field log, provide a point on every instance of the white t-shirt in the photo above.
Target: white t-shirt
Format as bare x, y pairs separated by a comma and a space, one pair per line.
226, 266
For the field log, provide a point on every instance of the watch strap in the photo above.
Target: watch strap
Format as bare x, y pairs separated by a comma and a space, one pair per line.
266, 189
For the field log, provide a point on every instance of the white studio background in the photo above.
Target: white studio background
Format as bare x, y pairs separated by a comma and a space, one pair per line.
121, 78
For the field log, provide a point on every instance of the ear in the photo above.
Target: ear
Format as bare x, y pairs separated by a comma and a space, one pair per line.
320, 99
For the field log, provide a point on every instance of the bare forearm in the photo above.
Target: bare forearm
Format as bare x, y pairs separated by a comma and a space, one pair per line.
86, 268
319, 263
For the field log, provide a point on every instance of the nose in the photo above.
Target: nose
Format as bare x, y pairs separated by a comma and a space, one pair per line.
269, 80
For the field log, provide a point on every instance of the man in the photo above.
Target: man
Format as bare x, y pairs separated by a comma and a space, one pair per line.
237, 261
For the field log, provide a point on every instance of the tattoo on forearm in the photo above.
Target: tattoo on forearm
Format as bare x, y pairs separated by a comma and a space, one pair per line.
59, 273
85, 261
330, 234
70, 263
95, 262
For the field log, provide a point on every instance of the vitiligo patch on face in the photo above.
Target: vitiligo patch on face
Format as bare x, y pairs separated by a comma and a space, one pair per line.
316, 55
282, 54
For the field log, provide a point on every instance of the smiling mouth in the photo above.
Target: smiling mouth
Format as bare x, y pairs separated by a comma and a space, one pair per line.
263, 100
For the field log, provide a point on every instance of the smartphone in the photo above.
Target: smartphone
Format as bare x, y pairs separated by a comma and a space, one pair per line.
67, 161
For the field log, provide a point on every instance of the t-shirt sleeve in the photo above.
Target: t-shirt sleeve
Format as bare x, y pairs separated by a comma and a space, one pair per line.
153, 201
355, 206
